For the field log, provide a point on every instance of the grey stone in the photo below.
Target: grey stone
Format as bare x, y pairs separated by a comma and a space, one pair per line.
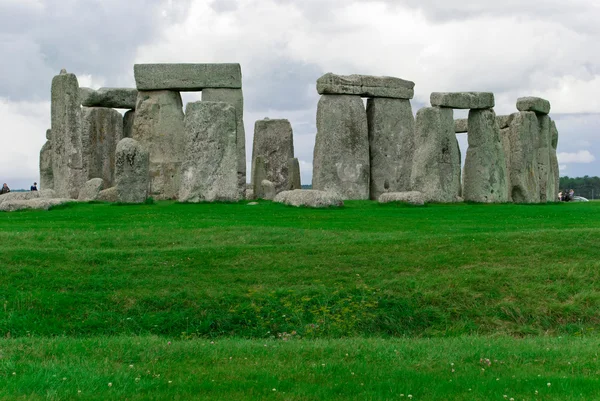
463, 100
504, 121
524, 181
484, 178
36, 204
411, 197
67, 149
209, 171
159, 127
341, 154
436, 162
391, 143
46, 175
294, 179
118, 98
128, 119
132, 171
187, 77
259, 174
505, 139
461, 125
553, 179
48, 134
234, 97
543, 156
250, 194
274, 143
365, 86
309, 198
109, 195
23, 196
102, 129
268, 189
91, 189
536, 104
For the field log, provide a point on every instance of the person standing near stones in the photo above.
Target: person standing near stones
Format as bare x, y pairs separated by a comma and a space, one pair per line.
33, 187
5, 189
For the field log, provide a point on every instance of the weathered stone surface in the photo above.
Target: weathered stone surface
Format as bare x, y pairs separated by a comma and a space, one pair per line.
365, 86
259, 174
463, 100
461, 125
159, 127
553, 179
341, 154
273, 141
268, 189
484, 178
234, 97
102, 129
391, 142
67, 150
132, 171
118, 98
412, 197
294, 180
209, 171
48, 134
109, 195
39, 204
436, 162
23, 196
536, 104
46, 175
187, 77
250, 193
309, 198
524, 181
504, 121
543, 155
91, 189
505, 139
128, 119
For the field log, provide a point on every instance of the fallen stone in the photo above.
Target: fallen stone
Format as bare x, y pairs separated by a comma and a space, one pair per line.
524, 181
294, 174
102, 129
309, 198
234, 97
484, 176
341, 153
436, 162
268, 189
118, 98
159, 127
461, 125
252, 203
274, 143
553, 179
109, 195
91, 189
23, 196
259, 174
391, 142
411, 197
46, 175
128, 119
209, 171
543, 157
187, 77
132, 171
463, 100
37, 204
365, 86
536, 104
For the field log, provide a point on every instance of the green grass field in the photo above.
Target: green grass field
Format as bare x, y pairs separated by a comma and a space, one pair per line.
231, 301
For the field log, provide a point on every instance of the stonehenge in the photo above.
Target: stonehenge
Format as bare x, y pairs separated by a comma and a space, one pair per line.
132, 167
274, 145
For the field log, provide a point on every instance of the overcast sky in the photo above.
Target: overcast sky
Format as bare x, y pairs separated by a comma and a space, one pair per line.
547, 48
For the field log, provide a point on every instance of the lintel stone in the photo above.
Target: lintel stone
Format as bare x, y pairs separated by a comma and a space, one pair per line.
536, 104
463, 100
118, 98
187, 77
365, 86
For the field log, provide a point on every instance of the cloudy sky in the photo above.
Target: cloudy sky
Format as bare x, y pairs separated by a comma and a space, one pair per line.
547, 48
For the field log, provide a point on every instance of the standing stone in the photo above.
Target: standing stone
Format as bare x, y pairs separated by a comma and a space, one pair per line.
159, 127
523, 133
259, 174
295, 181
234, 97
543, 155
102, 129
391, 143
436, 162
461, 126
132, 171
341, 154
505, 139
46, 175
268, 189
67, 157
209, 171
128, 119
554, 178
273, 141
484, 177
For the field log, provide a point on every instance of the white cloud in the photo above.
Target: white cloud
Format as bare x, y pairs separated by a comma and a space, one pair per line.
583, 156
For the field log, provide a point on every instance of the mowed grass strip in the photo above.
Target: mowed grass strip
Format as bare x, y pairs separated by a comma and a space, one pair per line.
365, 269
158, 368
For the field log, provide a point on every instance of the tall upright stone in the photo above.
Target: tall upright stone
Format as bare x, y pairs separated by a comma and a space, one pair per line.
259, 174
543, 147
391, 142
505, 139
209, 171
46, 174
523, 133
234, 97
102, 129
274, 142
159, 127
295, 180
67, 159
128, 119
341, 154
132, 164
484, 178
553, 179
436, 162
